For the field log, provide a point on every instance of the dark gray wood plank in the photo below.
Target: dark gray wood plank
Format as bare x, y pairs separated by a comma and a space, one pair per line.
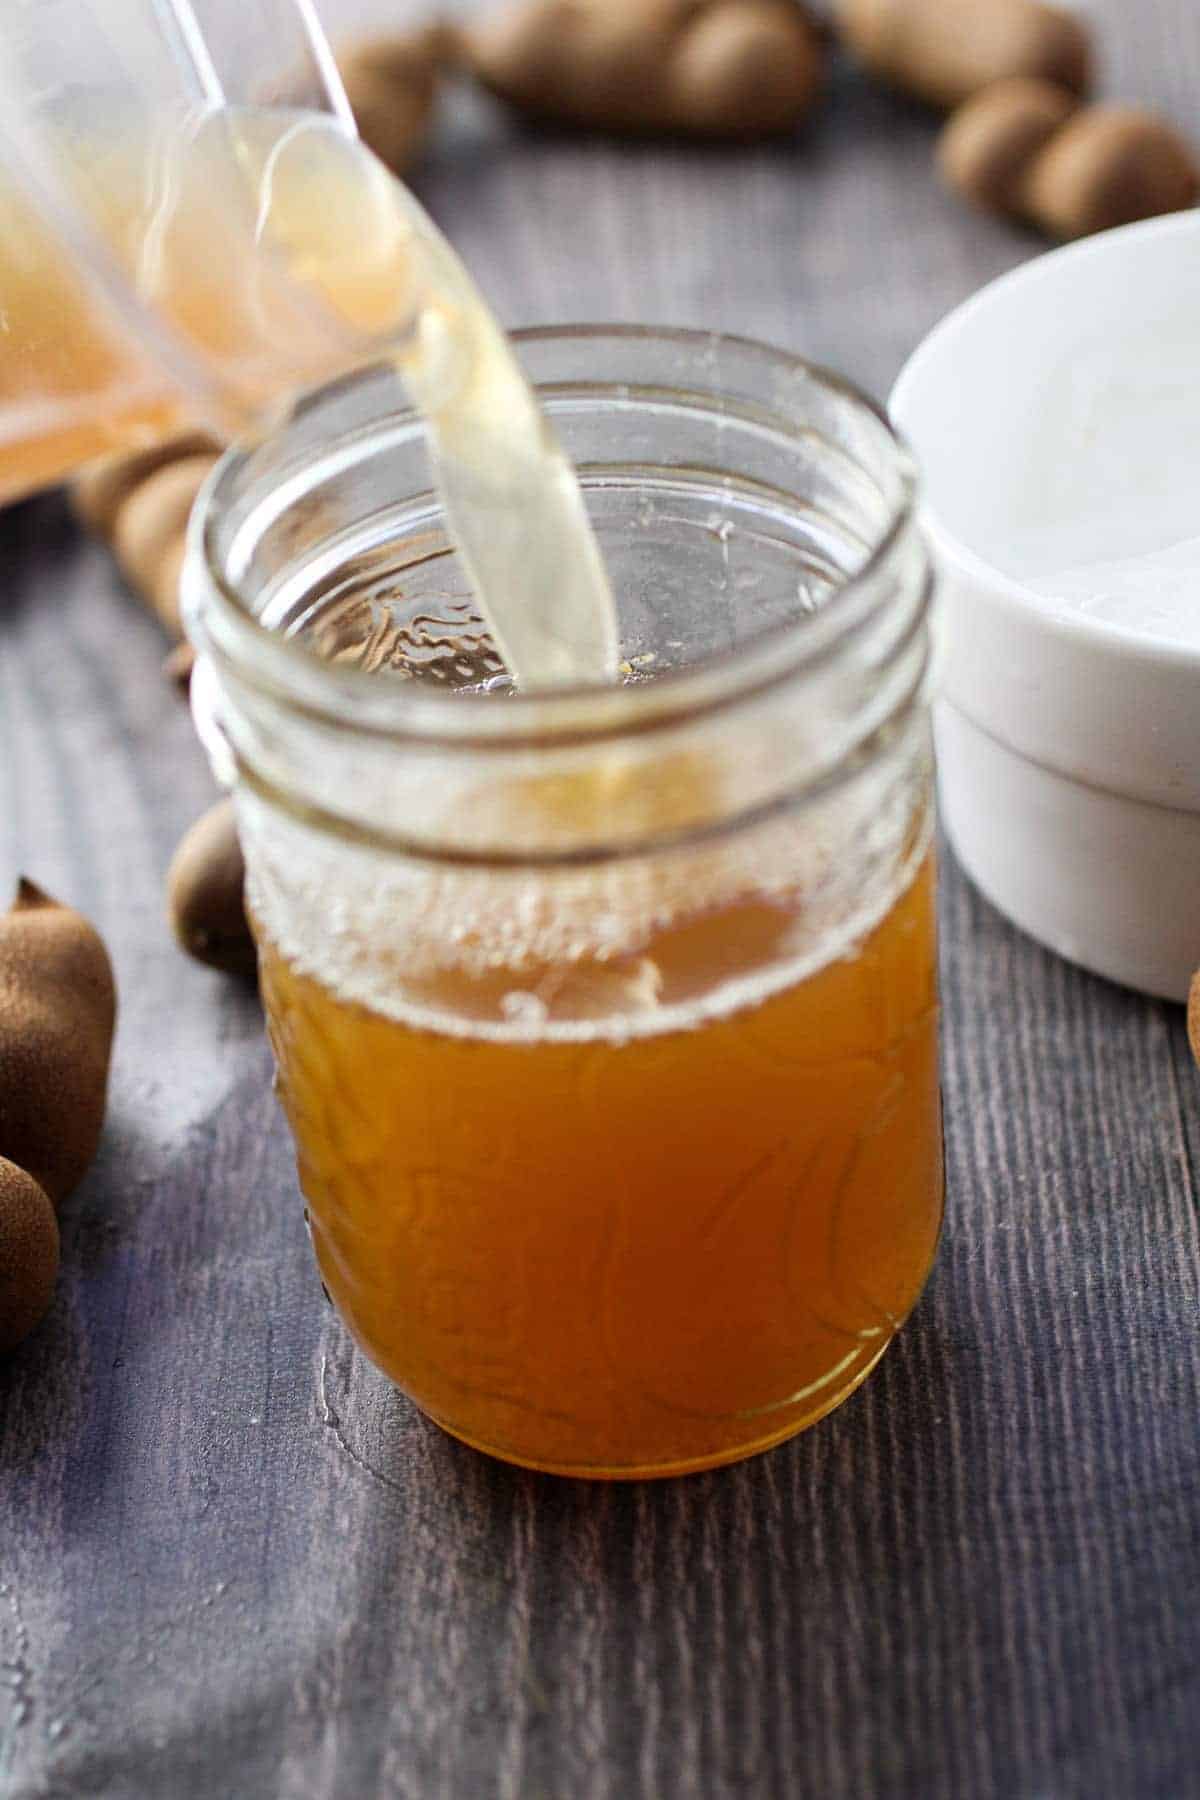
234, 1562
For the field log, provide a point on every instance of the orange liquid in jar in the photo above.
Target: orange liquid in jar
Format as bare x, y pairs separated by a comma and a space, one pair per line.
629, 1253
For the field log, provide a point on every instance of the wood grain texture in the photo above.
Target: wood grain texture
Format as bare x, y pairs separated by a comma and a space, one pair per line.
233, 1562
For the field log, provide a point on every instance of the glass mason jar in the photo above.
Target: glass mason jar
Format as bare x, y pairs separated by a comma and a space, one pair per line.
605, 1020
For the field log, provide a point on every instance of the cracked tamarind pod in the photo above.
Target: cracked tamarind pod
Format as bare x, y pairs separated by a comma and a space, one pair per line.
943, 51
703, 68
57, 1011
1028, 148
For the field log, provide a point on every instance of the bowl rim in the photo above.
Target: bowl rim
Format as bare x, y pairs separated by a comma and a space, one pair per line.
1103, 637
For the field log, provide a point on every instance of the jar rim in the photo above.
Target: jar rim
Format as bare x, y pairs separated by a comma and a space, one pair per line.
291, 671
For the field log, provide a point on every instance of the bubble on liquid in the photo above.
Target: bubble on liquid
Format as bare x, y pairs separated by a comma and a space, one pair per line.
520, 1008
637, 668
609, 930
574, 951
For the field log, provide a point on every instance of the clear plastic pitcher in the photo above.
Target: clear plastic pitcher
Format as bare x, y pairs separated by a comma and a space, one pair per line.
154, 268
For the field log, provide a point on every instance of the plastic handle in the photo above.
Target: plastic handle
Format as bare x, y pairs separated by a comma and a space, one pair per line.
271, 51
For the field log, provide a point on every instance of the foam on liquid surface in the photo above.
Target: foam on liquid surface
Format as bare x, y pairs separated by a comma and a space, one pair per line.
639, 946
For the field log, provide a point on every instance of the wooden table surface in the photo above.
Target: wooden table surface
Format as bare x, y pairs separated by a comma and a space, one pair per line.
233, 1562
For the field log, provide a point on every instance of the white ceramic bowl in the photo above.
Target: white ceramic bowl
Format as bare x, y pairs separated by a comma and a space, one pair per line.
1069, 749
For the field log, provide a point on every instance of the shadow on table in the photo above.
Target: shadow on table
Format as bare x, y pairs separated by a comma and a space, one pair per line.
885, 1440
746, 1604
